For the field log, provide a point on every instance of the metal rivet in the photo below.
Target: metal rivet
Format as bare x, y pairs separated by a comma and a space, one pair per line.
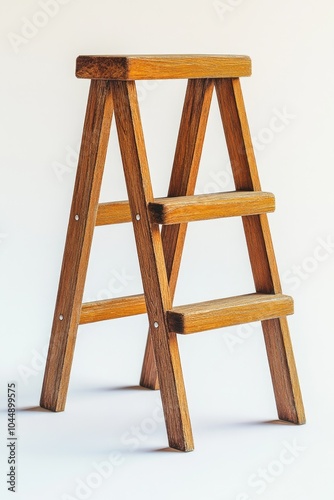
156, 324
76, 217
61, 317
138, 217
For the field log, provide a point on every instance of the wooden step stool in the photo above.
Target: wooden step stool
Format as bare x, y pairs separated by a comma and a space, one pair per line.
113, 89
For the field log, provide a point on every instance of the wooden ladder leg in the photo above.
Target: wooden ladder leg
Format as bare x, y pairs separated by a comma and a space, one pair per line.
182, 183
78, 243
152, 265
276, 333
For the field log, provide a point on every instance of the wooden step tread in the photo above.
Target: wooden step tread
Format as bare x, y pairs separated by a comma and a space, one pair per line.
210, 206
191, 208
150, 67
227, 312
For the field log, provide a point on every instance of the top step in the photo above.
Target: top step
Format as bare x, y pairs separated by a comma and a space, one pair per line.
156, 67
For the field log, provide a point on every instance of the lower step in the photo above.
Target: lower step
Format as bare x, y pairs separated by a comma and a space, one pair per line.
213, 314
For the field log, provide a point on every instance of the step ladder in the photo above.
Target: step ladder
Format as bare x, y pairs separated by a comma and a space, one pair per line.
113, 91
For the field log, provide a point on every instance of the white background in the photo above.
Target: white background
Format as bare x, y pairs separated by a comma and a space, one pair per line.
226, 374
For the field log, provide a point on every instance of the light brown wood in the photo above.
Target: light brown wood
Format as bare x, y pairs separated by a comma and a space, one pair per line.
101, 310
148, 67
190, 208
283, 371
230, 311
152, 265
115, 212
263, 262
246, 177
183, 180
160, 253
210, 206
77, 248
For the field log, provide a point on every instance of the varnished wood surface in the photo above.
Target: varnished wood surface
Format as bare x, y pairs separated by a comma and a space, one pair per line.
115, 212
147, 67
283, 371
160, 253
152, 265
210, 206
101, 310
180, 209
183, 180
261, 252
244, 168
230, 311
77, 248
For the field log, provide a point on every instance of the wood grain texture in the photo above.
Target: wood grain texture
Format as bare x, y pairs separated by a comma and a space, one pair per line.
210, 206
230, 311
182, 183
77, 248
260, 248
119, 307
115, 212
239, 144
160, 253
152, 265
147, 67
283, 371
191, 208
